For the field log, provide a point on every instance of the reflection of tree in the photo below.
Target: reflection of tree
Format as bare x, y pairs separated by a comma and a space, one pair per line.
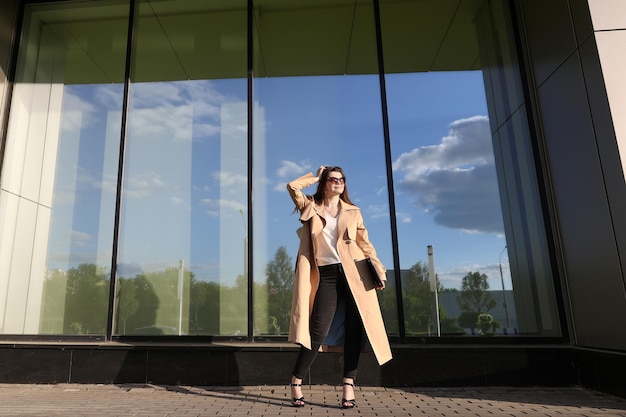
204, 307
86, 303
76, 302
127, 303
233, 317
474, 299
280, 277
52, 302
416, 298
148, 303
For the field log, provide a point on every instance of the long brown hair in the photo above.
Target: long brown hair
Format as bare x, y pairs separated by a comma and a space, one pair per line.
319, 194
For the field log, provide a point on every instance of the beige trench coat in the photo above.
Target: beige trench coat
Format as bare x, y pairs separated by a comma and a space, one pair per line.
352, 244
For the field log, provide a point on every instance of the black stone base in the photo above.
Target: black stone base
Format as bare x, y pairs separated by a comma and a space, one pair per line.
271, 364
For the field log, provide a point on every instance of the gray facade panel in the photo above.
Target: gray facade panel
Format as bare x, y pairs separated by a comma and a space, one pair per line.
581, 19
592, 265
607, 143
552, 37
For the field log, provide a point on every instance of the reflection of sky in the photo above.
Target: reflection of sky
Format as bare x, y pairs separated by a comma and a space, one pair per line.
185, 177
444, 173
446, 185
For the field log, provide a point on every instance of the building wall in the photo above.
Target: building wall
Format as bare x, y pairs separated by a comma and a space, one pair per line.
575, 63
587, 194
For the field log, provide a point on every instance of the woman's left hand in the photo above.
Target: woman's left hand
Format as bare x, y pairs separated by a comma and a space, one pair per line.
383, 284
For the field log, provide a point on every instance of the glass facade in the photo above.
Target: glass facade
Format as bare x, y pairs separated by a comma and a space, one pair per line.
150, 142
180, 267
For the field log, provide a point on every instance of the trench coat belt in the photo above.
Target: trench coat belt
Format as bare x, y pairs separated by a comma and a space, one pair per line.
331, 268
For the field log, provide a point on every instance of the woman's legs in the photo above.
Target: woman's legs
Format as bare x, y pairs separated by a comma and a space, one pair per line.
333, 288
354, 337
324, 308
351, 350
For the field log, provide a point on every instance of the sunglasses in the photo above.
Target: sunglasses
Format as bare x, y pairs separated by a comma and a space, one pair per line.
335, 180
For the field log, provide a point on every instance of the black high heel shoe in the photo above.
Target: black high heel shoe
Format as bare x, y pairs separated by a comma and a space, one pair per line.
345, 403
297, 402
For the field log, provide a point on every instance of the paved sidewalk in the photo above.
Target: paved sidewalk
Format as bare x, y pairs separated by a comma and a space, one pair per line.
322, 400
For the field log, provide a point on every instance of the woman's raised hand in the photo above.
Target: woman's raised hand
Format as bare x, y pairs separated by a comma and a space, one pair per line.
320, 170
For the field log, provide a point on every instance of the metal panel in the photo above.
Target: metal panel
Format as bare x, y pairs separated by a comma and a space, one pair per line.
590, 255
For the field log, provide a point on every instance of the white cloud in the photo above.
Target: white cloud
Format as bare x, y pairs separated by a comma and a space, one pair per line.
376, 211
455, 181
141, 185
290, 169
176, 200
222, 203
109, 95
280, 186
77, 113
287, 171
403, 217
227, 179
181, 105
80, 238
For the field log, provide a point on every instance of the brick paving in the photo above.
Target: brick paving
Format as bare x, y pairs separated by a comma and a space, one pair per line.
322, 400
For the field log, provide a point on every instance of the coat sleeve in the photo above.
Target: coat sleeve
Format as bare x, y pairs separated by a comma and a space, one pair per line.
296, 186
363, 242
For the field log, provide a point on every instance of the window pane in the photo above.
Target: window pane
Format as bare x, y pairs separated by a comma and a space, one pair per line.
57, 201
317, 102
181, 267
449, 184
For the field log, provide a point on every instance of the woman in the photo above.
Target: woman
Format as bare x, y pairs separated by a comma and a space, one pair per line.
327, 281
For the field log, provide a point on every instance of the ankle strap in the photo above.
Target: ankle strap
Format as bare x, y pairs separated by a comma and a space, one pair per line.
347, 383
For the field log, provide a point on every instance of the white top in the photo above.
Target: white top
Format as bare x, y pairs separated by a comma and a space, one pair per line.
327, 249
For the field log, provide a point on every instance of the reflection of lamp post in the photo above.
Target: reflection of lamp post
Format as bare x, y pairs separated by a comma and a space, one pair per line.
506, 309
245, 245
181, 268
433, 289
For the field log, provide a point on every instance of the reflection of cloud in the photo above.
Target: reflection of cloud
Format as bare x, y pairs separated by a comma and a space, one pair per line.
183, 104
221, 203
280, 186
142, 185
403, 217
81, 239
376, 212
77, 113
455, 180
382, 211
176, 200
228, 179
291, 169
163, 123
109, 95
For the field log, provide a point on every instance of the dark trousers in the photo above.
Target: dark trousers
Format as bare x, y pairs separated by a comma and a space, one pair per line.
333, 290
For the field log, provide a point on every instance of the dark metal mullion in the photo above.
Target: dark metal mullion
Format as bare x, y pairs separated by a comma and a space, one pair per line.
250, 277
120, 170
546, 198
388, 162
